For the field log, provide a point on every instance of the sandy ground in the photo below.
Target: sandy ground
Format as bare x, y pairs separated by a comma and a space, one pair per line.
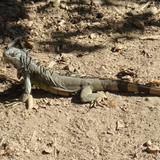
108, 39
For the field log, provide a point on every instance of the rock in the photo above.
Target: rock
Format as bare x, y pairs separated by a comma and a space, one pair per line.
113, 103
99, 15
127, 72
47, 150
148, 143
55, 3
92, 36
2, 152
152, 10
30, 23
138, 24
62, 22
51, 64
118, 48
28, 151
153, 149
127, 78
63, 6
119, 125
69, 68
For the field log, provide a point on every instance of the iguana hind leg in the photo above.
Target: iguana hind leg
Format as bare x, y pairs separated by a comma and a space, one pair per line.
87, 95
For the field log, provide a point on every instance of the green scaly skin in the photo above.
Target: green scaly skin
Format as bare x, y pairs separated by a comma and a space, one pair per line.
49, 81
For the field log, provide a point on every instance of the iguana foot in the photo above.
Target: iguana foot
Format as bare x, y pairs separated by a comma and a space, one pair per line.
88, 96
28, 99
99, 101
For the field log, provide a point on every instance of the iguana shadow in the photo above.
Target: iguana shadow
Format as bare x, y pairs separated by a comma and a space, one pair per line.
13, 91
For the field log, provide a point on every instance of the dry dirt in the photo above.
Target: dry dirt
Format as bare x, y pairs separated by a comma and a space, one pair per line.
110, 39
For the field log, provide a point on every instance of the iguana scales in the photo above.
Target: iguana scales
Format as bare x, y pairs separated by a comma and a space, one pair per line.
45, 79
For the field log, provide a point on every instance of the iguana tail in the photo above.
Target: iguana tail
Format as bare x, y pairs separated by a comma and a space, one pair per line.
124, 86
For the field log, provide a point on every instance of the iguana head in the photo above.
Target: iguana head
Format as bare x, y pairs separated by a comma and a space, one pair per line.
14, 56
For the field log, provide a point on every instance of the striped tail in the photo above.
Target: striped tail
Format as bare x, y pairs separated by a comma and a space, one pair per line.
124, 86
139, 88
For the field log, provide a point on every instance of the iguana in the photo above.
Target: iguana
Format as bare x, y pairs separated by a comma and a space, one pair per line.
46, 79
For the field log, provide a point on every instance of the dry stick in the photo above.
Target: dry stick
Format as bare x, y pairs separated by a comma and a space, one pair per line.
154, 37
14, 42
144, 6
151, 37
118, 11
13, 104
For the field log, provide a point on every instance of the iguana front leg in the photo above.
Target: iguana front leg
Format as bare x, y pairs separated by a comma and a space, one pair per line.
27, 97
87, 95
